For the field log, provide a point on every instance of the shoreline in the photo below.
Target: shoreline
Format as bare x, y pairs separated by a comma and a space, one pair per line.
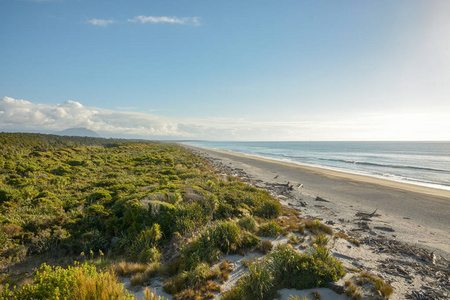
415, 214
330, 171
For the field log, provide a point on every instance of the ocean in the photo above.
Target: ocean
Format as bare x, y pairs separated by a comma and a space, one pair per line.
420, 163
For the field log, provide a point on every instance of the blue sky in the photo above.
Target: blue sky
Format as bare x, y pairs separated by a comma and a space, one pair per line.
234, 70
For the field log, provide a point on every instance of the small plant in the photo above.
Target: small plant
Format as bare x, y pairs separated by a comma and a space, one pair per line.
320, 240
346, 237
141, 278
294, 239
367, 283
292, 297
271, 229
149, 295
265, 247
126, 268
316, 295
352, 290
318, 228
248, 223
225, 268
257, 284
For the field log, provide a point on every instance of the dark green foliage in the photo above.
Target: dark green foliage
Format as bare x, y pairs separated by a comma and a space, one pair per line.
293, 269
269, 209
270, 228
257, 284
75, 194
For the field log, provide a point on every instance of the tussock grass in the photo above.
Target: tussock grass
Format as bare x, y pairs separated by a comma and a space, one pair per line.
366, 283
346, 237
271, 229
265, 247
248, 223
76, 282
318, 228
144, 277
128, 268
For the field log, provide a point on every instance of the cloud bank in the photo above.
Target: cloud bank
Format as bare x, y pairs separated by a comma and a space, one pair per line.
21, 115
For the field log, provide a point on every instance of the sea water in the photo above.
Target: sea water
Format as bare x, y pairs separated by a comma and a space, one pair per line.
420, 163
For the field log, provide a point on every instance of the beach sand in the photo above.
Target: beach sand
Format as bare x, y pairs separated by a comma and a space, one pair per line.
419, 215
402, 229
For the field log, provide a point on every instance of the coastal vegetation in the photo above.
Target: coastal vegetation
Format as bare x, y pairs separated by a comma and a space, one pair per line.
142, 210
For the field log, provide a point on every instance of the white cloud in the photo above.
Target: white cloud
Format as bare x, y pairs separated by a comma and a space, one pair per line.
21, 115
163, 19
26, 116
101, 22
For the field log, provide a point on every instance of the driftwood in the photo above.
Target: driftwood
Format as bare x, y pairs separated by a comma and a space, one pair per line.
367, 215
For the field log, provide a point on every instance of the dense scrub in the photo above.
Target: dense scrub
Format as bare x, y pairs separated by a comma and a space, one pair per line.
130, 199
140, 209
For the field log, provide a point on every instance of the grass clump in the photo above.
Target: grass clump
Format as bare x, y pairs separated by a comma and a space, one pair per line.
365, 283
143, 277
248, 223
128, 268
257, 284
225, 269
293, 269
318, 228
271, 229
76, 282
265, 247
286, 267
346, 237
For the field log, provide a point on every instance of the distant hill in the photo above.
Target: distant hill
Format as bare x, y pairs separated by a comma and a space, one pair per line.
79, 131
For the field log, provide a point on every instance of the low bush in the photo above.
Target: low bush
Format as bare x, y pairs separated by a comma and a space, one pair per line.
257, 284
271, 229
269, 209
293, 269
265, 247
77, 282
248, 223
318, 228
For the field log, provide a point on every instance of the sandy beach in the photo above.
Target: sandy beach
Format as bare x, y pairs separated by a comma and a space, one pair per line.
402, 227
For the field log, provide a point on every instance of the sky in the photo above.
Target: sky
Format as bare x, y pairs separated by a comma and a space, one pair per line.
227, 70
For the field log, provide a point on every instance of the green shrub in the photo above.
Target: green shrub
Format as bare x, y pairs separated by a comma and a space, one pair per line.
248, 223
144, 249
271, 229
77, 282
269, 209
293, 269
249, 240
257, 284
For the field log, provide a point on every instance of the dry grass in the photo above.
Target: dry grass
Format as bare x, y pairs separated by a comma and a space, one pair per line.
128, 268
346, 237
264, 247
318, 228
225, 268
144, 277
366, 283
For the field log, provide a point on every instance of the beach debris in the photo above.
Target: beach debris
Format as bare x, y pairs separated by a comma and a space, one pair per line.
426, 295
367, 215
321, 199
384, 228
276, 177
